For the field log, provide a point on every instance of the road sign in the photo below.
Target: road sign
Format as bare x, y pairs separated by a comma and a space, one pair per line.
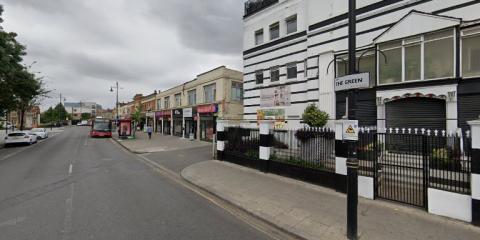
354, 81
350, 130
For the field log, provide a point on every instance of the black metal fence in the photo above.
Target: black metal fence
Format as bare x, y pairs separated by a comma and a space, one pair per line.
242, 145
307, 147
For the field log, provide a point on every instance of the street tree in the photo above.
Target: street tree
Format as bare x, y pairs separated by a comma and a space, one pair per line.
137, 117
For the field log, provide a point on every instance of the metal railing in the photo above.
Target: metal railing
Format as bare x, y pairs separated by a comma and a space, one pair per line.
307, 147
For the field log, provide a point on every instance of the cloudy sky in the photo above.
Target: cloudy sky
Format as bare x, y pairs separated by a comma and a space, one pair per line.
83, 46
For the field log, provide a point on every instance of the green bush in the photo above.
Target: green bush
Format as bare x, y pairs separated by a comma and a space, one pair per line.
315, 117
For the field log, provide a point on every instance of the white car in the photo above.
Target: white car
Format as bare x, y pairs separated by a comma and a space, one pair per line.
40, 132
25, 137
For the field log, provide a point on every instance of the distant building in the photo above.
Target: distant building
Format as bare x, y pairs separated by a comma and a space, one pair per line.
31, 118
76, 109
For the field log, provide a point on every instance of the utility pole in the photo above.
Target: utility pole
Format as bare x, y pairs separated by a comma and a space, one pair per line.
116, 103
59, 118
352, 161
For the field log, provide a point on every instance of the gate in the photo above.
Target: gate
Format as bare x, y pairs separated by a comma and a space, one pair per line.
402, 175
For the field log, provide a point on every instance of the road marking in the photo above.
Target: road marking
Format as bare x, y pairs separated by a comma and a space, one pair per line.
12, 222
70, 169
261, 225
67, 223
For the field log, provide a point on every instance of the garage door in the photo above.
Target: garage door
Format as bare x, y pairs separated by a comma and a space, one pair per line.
428, 113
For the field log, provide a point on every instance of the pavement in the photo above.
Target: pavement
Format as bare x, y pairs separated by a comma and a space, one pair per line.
314, 212
158, 143
71, 186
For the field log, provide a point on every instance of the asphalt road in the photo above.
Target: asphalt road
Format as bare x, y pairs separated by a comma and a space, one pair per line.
74, 187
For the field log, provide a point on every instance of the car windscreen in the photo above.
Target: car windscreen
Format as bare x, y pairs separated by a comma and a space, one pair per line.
16, 134
101, 126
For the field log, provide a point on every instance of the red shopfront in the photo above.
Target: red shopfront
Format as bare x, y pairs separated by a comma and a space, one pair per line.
164, 119
207, 117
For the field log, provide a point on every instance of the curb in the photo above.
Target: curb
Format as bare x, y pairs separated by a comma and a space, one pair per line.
128, 149
242, 208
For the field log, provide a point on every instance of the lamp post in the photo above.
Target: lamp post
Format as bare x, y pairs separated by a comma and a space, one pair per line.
352, 161
116, 103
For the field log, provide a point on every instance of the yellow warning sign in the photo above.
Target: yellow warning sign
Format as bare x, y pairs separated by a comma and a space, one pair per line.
350, 130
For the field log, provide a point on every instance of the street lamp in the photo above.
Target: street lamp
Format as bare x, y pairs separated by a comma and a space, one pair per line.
116, 103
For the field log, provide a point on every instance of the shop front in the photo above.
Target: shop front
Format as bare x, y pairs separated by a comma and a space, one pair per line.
178, 122
207, 114
165, 121
190, 117
158, 122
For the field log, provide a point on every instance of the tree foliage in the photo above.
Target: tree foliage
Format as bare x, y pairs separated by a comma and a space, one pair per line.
53, 115
19, 89
315, 117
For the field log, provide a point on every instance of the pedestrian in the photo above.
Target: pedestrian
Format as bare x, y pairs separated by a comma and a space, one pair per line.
149, 131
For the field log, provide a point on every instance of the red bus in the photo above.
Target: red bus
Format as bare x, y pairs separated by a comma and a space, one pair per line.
101, 128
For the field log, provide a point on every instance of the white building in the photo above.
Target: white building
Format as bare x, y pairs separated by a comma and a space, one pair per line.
76, 109
293, 49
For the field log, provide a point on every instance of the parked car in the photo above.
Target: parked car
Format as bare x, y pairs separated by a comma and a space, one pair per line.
25, 137
40, 132
83, 123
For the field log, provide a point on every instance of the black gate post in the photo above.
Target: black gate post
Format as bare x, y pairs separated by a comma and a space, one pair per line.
221, 138
475, 127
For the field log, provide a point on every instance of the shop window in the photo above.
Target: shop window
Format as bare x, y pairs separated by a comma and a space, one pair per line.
274, 31
413, 60
237, 91
471, 55
259, 37
178, 99
439, 55
274, 74
259, 77
291, 24
291, 70
192, 97
391, 70
209, 93
166, 102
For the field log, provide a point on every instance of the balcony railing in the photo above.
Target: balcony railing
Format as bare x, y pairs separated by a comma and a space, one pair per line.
253, 6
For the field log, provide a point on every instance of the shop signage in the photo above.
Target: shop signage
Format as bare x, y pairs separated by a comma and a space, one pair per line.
158, 115
177, 112
164, 113
212, 108
354, 81
272, 114
188, 112
275, 97
350, 130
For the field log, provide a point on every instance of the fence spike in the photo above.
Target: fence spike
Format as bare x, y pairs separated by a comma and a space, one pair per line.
391, 130
368, 130
423, 130
428, 132
468, 133
396, 130
443, 132
435, 132
403, 130
409, 131
416, 130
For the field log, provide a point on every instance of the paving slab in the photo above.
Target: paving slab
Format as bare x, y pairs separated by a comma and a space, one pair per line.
314, 212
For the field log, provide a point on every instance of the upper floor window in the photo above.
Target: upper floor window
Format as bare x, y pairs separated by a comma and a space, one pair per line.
429, 56
159, 104
237, 91
192, 97
274, 31
259, 77
274, 74
166, 102
210, 92
178, 99
366, 64
471, 53
259, 37
291, 70
291, 24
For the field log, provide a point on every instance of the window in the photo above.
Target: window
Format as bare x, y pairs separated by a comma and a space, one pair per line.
259, 77
291, 70
274, 31
366, 64
291, 24
166, 102
237, 91
274, 74
470, 55
209, 93
259, 37
159, 104
391, 70
178, 99
413, 59
439, 52
192, 97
